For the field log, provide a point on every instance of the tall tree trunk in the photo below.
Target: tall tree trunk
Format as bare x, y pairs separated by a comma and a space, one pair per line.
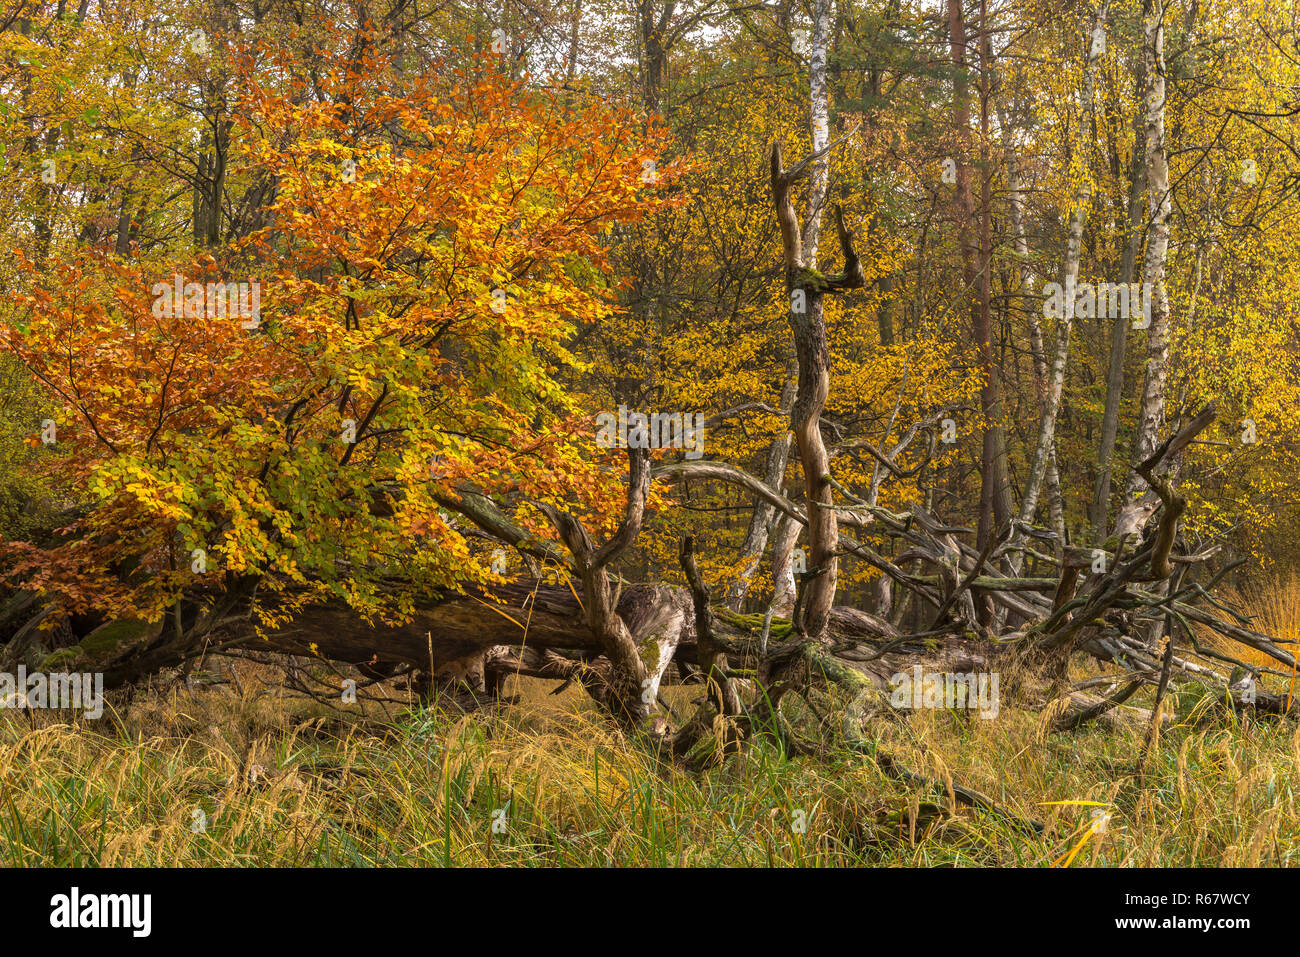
823, 529
820, 130
885, 307
778, 453
1119, 330
806, 288
1030, 305
571, 65
1070, 276
994, 492
654, 47
1152, 409
813, 354
995, 485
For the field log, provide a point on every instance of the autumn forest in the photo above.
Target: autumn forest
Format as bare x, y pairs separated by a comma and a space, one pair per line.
698, 432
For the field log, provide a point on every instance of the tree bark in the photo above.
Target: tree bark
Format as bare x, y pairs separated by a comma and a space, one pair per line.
761, 520
1120, 328
1046, 442
995, 503
805, 288
1151, 411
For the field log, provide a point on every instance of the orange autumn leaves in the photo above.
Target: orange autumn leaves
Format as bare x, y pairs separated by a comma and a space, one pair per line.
433, 243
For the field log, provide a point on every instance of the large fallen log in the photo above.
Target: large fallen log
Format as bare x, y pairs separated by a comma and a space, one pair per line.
620, 639
447, 637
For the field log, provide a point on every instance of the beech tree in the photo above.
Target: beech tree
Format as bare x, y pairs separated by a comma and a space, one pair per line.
313, 316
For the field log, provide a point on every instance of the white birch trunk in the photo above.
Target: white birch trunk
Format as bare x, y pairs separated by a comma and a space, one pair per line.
1138, 502
1073, 253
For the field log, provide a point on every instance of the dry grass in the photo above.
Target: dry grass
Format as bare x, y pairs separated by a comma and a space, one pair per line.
276, 780
1274, 607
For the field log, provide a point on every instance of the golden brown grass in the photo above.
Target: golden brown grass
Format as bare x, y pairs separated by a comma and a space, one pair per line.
219, 777
1274, 609
245, 773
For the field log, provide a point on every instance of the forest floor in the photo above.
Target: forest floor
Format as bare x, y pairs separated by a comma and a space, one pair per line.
250, 774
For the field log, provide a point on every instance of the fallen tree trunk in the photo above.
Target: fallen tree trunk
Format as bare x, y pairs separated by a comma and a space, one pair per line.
619, 639
448, 636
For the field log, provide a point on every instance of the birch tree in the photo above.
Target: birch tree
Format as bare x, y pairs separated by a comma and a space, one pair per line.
806, 288
1094, 44
1137, 504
